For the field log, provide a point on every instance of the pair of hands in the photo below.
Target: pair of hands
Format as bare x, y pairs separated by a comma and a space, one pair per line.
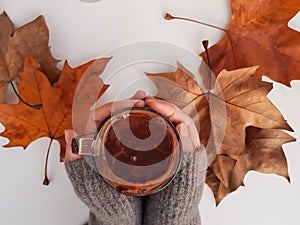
184, 124
175, 204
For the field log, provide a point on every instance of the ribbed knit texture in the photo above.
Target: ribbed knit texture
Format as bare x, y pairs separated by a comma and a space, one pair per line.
177, 204
107, 206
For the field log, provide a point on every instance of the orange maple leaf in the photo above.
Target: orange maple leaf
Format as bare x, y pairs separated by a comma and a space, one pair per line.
24, 124
258, 34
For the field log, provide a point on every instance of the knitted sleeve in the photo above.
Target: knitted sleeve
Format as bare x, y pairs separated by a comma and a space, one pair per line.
107, 206
178, 203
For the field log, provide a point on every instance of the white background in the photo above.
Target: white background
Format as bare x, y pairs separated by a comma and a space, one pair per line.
80, 32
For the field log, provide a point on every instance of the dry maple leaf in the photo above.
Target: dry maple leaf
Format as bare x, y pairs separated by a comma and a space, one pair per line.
24, 124
258, 34
246, 103
263, 153
29, 40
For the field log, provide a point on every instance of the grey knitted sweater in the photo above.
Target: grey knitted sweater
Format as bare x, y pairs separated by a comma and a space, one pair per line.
177, 204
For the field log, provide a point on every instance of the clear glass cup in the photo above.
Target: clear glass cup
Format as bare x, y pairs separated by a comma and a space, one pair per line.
137, 150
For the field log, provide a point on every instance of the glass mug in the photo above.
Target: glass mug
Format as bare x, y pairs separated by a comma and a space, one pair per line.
137, 150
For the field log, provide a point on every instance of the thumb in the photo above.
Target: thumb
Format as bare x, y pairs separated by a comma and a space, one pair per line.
69, 135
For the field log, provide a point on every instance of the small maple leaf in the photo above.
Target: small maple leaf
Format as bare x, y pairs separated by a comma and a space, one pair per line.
24, 124
246, 105
29, 40
258, 34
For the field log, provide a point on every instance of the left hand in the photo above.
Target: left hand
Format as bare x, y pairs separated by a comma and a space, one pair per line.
98, 115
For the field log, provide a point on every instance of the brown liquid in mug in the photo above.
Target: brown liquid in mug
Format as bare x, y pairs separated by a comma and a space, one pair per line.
119, 155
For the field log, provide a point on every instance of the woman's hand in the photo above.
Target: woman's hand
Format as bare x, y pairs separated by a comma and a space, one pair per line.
184, 124
178, 202
106, 204
97, 116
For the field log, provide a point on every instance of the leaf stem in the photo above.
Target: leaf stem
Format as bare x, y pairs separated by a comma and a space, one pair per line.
46, 180
205, 44
168, 16
37, 106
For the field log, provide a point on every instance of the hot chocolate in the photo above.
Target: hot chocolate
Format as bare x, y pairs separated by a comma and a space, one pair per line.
140, 151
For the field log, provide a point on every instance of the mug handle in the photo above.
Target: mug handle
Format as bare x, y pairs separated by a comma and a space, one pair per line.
83, 145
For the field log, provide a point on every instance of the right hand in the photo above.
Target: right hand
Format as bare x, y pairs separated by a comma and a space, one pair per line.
184, 124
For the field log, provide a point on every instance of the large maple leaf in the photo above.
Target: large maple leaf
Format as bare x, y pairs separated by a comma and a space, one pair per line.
246, 105
24, 124
258, 34
31, 39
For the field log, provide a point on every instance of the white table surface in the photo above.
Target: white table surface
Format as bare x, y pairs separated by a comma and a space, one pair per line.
83, 31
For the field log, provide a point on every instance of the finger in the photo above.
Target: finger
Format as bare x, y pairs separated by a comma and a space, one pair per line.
172, 112
69, 135
102, 112
189, 137
139, 103
150, 98
182, 129
139, 95
105, 110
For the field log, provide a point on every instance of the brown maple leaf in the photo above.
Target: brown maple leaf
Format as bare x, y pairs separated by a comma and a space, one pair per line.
24, 124
263, 153
258, 34
246, 104
31, 39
